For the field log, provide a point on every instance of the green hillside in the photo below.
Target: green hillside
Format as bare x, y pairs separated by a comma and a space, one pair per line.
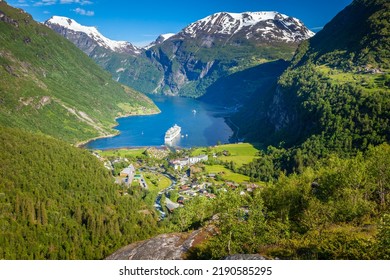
336, 210
335, 96
49, 86
59, 202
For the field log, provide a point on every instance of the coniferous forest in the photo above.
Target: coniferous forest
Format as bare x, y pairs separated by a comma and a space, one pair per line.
59, 202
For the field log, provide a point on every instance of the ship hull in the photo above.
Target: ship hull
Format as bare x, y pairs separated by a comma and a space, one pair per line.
172, 134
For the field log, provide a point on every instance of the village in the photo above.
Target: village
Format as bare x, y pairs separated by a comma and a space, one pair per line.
175, 178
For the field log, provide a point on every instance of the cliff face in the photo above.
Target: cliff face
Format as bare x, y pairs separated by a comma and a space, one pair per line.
280, 116
81, 40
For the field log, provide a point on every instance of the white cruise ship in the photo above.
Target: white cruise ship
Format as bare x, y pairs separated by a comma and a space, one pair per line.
172, 133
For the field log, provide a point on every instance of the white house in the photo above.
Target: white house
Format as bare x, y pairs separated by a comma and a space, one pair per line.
128, 173
178, 164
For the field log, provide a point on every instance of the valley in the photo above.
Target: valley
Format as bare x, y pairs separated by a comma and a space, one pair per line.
204, 126
284, 151
187, 63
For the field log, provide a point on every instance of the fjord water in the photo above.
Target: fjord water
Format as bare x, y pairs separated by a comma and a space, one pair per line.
202, 124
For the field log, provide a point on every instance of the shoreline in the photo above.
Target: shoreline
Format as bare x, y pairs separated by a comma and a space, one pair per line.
226, 115
82, 144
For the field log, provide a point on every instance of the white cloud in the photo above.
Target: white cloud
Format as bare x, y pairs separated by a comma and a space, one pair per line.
83, 12
81, 2
26, 3
22, 3
45, 3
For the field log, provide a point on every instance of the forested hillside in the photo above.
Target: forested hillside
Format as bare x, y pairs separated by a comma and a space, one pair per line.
335, 96
48, 85
59, 202
337, 209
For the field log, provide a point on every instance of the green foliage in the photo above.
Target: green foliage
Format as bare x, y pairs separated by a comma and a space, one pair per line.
193, 215
59, 202
333, 210
383, 246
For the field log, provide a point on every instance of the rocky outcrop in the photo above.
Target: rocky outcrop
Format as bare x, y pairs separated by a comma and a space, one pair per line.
6, 19
172, 246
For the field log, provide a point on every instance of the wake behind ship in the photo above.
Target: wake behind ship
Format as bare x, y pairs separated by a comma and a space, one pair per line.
171, 134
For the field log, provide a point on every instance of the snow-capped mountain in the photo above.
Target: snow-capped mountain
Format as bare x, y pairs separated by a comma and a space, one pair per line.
254, 26
160, 39
88, 38
188, 62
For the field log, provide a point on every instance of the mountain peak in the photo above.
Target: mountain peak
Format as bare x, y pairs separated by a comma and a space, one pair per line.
266, 25
71, 25
160, 39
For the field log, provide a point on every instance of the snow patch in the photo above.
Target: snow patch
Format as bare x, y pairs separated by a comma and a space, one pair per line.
92, 32
167, 36
231, 23
160, 39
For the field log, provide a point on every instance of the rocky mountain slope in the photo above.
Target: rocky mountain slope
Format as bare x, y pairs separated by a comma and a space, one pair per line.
188, 62
88, 38
258, 27
160, 39
49, 86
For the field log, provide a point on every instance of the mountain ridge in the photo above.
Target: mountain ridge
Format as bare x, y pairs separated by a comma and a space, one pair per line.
63, 25
188, 62
263, 22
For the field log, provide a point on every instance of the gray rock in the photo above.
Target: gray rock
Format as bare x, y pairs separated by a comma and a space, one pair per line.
246, 257
162, 247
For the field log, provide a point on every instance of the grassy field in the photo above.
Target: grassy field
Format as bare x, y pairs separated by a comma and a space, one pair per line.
367, 81
239, 153
156, 182
122, 153
226, 173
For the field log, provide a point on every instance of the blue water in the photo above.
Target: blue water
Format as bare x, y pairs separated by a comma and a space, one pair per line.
206, 127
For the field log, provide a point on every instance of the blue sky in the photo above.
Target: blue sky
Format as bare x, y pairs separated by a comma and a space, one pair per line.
141, 21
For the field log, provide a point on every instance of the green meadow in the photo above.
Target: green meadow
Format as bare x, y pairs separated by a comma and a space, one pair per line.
240, 154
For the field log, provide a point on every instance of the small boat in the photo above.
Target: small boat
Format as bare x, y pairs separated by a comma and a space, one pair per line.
194, 111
